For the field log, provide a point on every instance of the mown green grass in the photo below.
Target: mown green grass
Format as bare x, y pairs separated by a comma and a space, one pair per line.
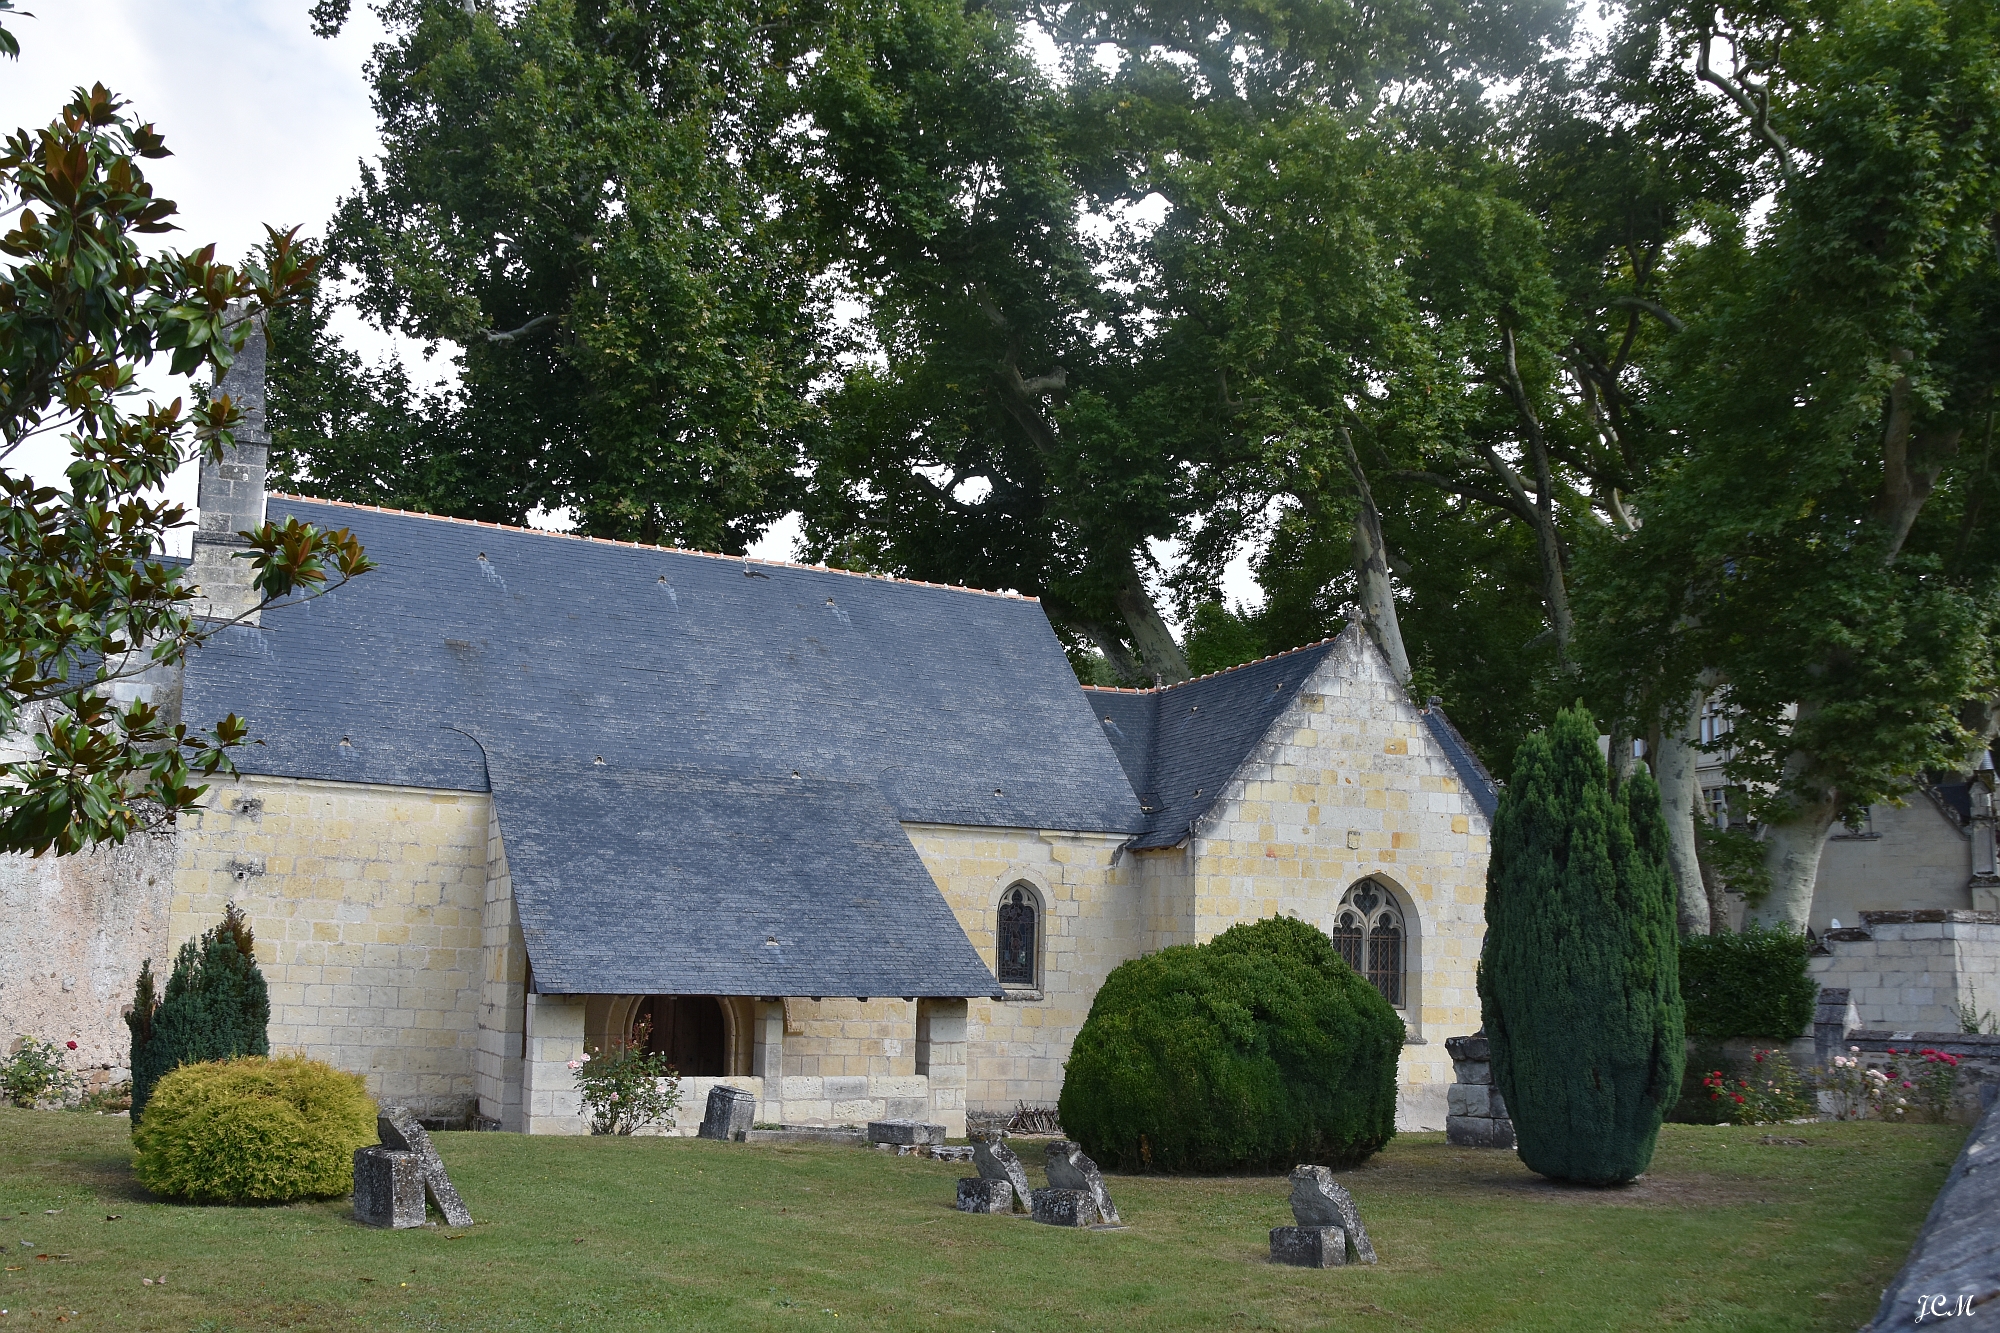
1724, 1232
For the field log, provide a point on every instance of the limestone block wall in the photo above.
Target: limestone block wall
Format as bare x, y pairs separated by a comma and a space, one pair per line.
1349, 784
1087, 891
73, 931
501, 1030
843, 1037
368, 905
1911, 858
1910, 971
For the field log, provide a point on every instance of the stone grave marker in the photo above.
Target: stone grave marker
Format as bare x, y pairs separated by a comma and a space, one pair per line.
1069, 1169
388, 1187
400, 1131
978, 1195
904, 1137
1063, 1208
1309, 1247
1320, 1202
996, 1161
731, 1114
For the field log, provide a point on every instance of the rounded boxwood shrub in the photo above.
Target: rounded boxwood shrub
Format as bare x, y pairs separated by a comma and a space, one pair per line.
253, 1130
1260, 1049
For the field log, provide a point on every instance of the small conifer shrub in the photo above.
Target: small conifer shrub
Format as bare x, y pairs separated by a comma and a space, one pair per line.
253, 1130
1579, 978
216, 1006
1258, 1050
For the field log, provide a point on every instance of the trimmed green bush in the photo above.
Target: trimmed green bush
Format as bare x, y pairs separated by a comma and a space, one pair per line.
216, 1006
253, 1130
1752, 984
1260, 1049
1579, 980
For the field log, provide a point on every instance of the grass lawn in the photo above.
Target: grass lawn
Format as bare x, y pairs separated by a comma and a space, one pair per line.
1726, 1231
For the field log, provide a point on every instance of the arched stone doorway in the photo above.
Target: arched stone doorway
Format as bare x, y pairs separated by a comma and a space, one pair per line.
689, 1030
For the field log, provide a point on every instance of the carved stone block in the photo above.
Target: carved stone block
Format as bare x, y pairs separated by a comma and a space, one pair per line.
1063, 1208
401, 1131
978, 1195
1069, 1169
388, 1188
730, 1115
1309, 1247
904, 1131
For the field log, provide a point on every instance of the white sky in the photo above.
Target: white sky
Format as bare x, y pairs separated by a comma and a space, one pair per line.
267, 124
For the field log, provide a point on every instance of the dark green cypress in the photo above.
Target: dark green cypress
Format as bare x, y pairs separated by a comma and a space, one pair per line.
216, 1006
1579, 978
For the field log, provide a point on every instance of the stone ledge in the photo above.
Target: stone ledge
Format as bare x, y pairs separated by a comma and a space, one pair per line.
1929, 916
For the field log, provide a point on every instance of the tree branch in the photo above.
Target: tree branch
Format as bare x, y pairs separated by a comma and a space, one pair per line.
515, 335
1752, 98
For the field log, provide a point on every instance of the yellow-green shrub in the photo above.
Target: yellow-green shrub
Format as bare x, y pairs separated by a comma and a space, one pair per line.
253, 1130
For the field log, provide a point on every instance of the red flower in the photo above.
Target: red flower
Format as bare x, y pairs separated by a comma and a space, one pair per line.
1739, 1097
1758, 1056
72, 1046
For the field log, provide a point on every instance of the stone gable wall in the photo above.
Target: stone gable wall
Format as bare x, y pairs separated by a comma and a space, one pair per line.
1350, 784
368, 905
1913, 975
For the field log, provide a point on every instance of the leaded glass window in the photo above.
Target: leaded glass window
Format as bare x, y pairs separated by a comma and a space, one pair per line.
1016, 933
1369, 932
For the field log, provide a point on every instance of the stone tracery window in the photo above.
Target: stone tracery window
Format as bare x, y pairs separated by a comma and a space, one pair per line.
1014, 934
1368, 930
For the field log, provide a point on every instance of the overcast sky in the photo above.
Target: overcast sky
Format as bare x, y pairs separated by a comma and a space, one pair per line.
267, 124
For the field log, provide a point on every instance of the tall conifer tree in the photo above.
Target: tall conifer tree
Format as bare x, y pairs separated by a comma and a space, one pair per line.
1579, 980
216, 1006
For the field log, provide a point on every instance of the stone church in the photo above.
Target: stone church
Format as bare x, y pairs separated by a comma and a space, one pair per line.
860, 845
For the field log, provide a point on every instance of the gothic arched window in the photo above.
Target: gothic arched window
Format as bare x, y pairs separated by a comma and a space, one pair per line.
1368, 930
1015, 935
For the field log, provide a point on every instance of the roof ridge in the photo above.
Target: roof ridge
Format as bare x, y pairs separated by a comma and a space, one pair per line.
1162, 689
648, 546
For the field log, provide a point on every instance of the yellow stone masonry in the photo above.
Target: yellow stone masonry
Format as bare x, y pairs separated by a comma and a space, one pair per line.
367, 905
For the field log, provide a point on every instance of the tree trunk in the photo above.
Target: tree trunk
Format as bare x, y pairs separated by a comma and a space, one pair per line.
1679, 795
1792, 847
1377, 594
1113, 648
1150, 636
1540, 510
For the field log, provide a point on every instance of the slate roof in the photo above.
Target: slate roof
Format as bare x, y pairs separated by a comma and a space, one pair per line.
958, 706
1485, 793
1180, 745
694, 884
718, 677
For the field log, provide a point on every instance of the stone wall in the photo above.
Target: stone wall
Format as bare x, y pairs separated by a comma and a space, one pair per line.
1912, 970
1016, 1047
1910, 857
368, 905
73, 932
1350, 785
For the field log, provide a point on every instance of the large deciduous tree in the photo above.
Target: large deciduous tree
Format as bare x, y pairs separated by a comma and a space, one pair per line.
583, 198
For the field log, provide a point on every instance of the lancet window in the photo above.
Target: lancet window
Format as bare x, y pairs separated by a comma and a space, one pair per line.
1368, 930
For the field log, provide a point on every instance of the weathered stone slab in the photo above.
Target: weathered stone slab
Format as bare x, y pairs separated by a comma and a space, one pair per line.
1309, 1247
904, 1131
401, 1131
996, 1161
956, 1152
730, 1114
1956, 1260
1069, 1169
1318, 1200
1063, 1208
976, 1194
388, 1187
1466, 1131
